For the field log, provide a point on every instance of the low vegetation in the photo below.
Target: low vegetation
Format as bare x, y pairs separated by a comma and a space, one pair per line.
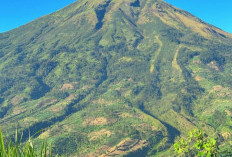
10, 148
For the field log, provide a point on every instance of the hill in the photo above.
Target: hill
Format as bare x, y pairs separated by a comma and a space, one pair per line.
116, 77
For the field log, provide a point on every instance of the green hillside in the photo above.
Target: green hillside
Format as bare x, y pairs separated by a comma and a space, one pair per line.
116, 78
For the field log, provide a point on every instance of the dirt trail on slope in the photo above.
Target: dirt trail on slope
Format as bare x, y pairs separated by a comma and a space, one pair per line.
154, 58
174, 62
176, 67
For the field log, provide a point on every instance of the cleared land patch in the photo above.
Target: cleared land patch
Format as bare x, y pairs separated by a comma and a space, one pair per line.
125, 146
98, 134
96, 121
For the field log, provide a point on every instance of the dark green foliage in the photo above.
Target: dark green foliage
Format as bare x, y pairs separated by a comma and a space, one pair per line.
136, 3
3, 111
100, 12
218, 119
38, 89
73, 142
45, 68
60, 94
185, 55
173, 35
213, 56
1, 100
190, 89
194, 39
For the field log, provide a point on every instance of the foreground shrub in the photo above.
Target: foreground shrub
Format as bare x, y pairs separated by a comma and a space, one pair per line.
18, 149
199, 144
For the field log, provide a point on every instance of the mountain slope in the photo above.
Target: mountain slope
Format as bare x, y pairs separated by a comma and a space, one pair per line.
116, 77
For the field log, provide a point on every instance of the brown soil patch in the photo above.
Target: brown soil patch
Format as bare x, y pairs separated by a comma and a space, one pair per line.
45, 134
85, 87
68, 128
125, 115
98, 134
56, 108
224, 94
118, 88
97, 121
67, 86
217, 88
18, 110
195, 71
213, 65
153, 128
228, 112
221, 91
98, 152
17, 100
226, 135
140, 127
196, 62
198, 78
71, 97
125, 146
143, 20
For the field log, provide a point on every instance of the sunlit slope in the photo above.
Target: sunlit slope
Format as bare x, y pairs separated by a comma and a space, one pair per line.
116, 77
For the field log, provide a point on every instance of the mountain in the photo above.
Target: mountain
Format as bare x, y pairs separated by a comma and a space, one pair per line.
116, 78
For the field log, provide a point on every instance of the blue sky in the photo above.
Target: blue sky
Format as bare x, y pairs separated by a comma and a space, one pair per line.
216, 12
14, 13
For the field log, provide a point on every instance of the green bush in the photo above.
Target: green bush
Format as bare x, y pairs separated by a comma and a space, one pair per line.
199, 144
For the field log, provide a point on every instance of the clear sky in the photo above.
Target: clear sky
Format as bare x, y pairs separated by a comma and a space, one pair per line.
14, 13
215, 12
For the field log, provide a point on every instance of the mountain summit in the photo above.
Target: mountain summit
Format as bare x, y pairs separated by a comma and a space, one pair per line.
116, 78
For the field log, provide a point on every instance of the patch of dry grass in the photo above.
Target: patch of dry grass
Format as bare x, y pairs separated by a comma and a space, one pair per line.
96, 121
98, 134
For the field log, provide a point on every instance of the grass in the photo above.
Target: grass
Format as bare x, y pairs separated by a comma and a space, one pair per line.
16, 148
